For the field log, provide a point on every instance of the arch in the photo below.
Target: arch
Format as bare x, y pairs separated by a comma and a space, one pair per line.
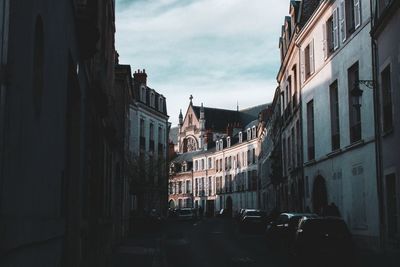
171, 204
319, 195
190, 143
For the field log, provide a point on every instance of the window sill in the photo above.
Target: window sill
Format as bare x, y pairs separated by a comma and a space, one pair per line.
355, 144
334, 153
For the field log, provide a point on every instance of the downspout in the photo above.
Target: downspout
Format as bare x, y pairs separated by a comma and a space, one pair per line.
377, 122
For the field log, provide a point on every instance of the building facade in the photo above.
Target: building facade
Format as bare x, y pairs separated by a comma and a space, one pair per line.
217, 163
335, 54
148, 148
386, 58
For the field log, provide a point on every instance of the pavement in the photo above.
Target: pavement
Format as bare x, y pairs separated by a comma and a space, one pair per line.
213, 242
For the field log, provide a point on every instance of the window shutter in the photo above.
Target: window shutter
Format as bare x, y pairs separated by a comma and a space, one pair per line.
357, 14
324, 41
312, 63
302, 66
342, 20
335, 29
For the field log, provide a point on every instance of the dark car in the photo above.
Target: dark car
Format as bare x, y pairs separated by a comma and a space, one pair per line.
252, 220
284, 227
326, 240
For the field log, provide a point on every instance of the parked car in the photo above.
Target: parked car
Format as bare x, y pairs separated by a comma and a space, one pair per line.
280, 230
254, 220
326, 240
187, 214
223, 213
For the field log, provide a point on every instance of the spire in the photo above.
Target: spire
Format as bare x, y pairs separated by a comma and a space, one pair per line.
180, 118
191, 99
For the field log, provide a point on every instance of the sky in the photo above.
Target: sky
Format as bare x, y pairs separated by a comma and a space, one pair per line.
222, 52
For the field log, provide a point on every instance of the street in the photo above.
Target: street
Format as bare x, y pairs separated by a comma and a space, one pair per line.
216, 242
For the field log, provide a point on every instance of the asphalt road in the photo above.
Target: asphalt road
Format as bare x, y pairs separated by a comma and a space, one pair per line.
217, 242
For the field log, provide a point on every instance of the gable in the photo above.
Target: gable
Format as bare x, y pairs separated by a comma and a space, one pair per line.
191, 118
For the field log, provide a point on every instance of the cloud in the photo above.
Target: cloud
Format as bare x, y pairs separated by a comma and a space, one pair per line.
220, 51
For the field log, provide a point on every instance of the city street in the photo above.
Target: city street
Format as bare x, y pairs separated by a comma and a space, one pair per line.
216, 242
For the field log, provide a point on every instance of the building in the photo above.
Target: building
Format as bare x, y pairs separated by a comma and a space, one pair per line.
216, 165
386, 43
62, 131
335, 54
148, 147
288, 79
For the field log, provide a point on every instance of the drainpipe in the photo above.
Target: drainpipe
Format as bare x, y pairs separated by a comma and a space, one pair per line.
378, 143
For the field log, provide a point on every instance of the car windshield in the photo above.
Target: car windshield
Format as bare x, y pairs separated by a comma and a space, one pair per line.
185, 212
255, 213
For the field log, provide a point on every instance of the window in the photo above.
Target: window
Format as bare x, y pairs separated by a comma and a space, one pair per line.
240, 137
387, 114
196, 165
331, 34
228, 140
353, 15
310, 130
248, 134
248, 157
220, 164
354, 109
293, 146
298, 138
160, 135
151, 137
209, 186
142, 134
254, 133
143, 94
334, 109
209, 163
161, 104
152, 100
202, 164
254, 156
190, 119
309, 60
294, 101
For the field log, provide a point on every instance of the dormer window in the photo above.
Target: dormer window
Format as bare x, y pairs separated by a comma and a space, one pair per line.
221, 144
228, 141
217, 145
240, 137
254, 133
152, 100
160, 104
248, 134
143, 94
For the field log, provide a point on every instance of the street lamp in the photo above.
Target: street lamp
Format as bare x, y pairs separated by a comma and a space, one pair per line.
356, 92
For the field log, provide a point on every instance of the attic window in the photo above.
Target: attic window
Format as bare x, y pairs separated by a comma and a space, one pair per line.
152, 100
254, 133
143, 94
248, 134
160, 104
228, 140
221, 144
240, 137
217, 145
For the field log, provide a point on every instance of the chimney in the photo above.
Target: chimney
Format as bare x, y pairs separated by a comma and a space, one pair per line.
140, 77
229, 129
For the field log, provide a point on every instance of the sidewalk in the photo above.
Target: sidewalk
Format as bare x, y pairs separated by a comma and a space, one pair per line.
374, 259
140, 250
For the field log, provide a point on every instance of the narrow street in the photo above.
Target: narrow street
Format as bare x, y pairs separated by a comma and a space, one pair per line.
216, 242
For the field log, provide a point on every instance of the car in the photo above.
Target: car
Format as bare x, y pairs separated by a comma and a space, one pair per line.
280, 230
223, 213
327, 240
252, 220
186, 214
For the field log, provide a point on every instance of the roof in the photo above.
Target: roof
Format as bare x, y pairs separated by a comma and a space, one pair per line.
307, 8
188, 156
218, 119
173, 134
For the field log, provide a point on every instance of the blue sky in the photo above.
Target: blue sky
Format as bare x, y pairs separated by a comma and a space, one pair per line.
220, 51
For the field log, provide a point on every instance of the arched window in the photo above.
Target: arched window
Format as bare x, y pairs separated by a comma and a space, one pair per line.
38, 66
